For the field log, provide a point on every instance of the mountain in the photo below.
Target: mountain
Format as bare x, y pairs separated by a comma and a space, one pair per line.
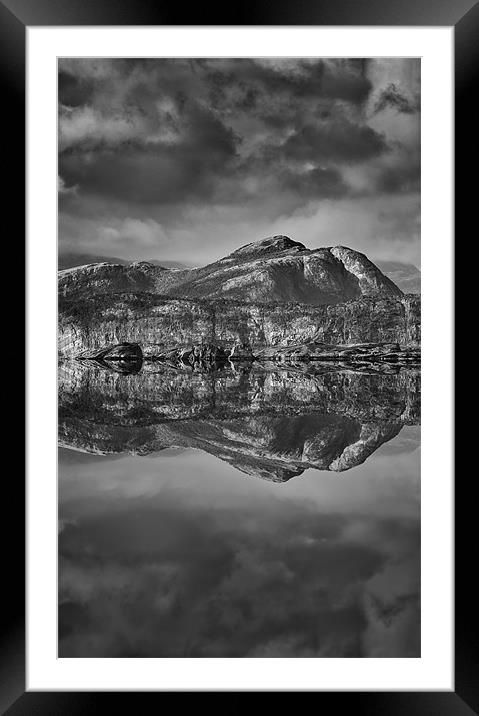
68, 260
274, 269
168, 264
406, 276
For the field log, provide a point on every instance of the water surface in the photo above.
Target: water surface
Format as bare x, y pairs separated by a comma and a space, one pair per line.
264, 513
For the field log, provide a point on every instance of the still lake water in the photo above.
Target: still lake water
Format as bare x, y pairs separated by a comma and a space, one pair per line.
241, 514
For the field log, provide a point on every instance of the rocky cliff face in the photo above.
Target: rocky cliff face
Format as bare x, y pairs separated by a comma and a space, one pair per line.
266, 422
159, 323
275, 269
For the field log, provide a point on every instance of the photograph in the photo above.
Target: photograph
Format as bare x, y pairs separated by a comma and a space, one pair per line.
239, 357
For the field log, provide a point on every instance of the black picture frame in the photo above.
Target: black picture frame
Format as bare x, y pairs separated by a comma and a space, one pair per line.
15, 17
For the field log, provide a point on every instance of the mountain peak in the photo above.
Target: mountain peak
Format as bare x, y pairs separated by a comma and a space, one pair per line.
271, 244
271, 270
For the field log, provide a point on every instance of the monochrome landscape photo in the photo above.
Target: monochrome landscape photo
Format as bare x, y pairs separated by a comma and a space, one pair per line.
239, 357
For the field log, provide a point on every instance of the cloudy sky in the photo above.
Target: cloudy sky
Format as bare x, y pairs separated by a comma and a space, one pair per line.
187, 159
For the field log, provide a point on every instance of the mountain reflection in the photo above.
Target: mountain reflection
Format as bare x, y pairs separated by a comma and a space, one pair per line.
164, 552
269, 420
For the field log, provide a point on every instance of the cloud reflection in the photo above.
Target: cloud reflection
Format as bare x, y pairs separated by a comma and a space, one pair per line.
183, 557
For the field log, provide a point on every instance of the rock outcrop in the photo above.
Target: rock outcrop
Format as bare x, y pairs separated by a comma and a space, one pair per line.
275, 269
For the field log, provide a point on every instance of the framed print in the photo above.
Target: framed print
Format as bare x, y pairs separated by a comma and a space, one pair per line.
239, 305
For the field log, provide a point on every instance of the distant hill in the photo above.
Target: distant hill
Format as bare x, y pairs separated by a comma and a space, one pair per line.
406, 276
71, 260
273, 269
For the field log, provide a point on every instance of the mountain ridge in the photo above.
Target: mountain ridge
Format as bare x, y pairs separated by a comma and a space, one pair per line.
405, 275
276, 268
71, 259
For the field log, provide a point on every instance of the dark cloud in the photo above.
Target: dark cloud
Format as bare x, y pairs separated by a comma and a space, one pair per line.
317, 79
74, 91
169, 142
167, 133
339, 141
146, 171
401, 179
314, 182
393, 98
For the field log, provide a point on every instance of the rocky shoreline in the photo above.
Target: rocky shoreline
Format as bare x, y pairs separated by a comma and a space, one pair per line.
209, 354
